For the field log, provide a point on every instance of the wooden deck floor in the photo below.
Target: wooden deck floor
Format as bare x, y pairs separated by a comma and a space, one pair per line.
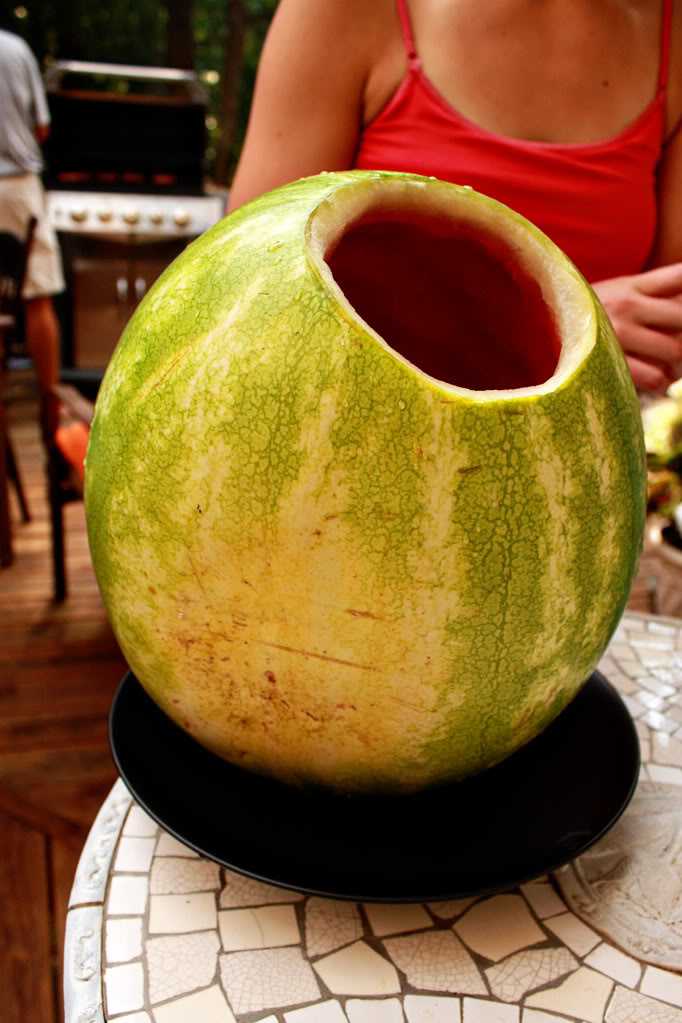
59, 669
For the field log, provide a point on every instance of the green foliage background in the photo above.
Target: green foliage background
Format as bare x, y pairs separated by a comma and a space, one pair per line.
138, 32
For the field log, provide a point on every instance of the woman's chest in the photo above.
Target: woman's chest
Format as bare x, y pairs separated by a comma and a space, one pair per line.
546, 71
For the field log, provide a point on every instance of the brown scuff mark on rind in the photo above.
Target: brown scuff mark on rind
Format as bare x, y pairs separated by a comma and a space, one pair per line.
319, 657
195, 572
363, 614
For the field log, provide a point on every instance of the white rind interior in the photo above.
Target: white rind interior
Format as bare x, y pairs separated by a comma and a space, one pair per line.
562, 287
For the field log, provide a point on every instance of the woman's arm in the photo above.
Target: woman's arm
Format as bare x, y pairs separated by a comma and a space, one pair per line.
308, 98
646, 308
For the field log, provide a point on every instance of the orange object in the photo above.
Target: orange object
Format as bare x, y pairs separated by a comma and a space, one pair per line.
72, 441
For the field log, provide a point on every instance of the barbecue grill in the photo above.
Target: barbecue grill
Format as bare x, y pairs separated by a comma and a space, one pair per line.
125, 190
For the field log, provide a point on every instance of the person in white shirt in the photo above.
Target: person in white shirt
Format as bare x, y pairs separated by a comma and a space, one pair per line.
24, 125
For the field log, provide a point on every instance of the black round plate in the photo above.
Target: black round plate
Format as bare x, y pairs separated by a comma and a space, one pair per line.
537, 810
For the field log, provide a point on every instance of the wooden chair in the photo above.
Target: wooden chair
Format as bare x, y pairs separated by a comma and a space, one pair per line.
14, 253
66, 413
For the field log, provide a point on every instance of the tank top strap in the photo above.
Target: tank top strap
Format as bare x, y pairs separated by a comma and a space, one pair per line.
408, 37
666, 30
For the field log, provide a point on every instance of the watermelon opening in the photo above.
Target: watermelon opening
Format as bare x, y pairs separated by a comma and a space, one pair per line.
448, 295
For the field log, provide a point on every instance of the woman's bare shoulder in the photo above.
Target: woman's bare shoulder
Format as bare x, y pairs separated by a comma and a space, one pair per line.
310, 90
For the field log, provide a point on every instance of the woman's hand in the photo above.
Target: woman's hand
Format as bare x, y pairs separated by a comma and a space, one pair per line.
646, 312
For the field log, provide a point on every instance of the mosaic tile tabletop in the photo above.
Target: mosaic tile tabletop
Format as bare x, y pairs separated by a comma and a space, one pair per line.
156, 934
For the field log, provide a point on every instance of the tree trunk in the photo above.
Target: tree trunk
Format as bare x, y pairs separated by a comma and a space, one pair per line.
179, 46
235, 20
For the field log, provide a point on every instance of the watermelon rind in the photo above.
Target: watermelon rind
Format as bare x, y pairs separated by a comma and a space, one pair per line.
327, 565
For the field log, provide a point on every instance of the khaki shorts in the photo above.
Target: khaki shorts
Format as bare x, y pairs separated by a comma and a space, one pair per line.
20, 199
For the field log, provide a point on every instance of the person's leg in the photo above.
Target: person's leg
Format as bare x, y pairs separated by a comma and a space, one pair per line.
41, 329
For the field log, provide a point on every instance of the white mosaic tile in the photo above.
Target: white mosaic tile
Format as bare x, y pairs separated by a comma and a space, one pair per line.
246, 891
123, 939
631, 669
636, 709
430, 1009
615, 653
659, 722
543, 899
134, 855
662, 628
583, 995
436, 961
169, 846
450, 908
127, 896
499, 926
180, 914
139, 824
475, 1010
576, 935
323, 1012
650, 643
623, 683
207, 1006
388, 1010
260, 927
179, 964
642, 729
667, 775
662, 984
656, 659
537, 1016
650, 701
135, 1017
511, 979
124, 986
175, 875
330, 924
631, 1007
267, 979
358, 970
656, 683
615, 964
385, 919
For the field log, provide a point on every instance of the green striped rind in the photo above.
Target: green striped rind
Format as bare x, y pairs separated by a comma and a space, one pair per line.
327, 566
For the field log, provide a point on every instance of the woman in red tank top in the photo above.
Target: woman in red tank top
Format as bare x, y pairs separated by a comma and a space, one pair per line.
566, 110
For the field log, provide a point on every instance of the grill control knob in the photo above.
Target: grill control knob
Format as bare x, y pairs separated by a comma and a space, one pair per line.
80, 214
181, 217
156, 216
131, 216
104, 216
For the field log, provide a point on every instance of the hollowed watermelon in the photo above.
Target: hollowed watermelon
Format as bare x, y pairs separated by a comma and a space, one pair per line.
365, 487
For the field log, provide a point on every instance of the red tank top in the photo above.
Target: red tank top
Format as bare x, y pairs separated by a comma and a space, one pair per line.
597, 200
